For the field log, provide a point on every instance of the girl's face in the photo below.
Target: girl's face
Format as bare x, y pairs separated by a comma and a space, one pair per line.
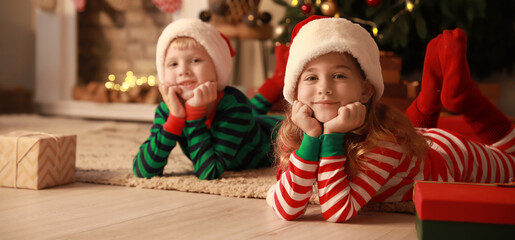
331, 81
188, 68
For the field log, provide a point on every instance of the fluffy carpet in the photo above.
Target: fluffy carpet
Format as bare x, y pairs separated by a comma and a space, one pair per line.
105, 150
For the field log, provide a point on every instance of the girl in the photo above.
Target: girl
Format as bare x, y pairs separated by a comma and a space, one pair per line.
357, 150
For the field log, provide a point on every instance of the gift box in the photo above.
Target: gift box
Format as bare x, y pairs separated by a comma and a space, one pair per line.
37, 160
464, 210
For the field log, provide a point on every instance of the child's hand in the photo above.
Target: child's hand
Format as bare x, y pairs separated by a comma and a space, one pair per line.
170, 94
302, 116
350, 117
203, 95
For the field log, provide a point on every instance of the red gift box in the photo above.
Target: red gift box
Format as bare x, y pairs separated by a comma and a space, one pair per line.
464, 210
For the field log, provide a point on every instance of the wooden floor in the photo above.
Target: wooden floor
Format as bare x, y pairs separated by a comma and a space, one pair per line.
92, 211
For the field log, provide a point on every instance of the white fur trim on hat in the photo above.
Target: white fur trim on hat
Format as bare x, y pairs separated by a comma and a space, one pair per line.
325, 35
216, 46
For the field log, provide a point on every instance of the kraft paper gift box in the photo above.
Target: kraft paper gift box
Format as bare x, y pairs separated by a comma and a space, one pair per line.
464, 210
37, 160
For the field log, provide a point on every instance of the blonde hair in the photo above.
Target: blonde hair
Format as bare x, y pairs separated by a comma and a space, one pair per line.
383, 124
181, 43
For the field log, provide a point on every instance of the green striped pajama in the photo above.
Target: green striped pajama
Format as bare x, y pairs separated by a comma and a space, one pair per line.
240, 137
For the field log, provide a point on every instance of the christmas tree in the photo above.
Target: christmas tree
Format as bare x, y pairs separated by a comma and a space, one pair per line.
406, 26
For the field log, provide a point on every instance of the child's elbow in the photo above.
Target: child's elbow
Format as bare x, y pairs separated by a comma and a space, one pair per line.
208, 178
209, 175
140, 174
137, 173
288, 217
337, 218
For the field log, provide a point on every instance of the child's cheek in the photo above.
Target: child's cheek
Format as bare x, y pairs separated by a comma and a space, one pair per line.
165, 81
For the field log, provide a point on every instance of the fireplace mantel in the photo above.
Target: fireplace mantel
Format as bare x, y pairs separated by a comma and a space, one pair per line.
56, 71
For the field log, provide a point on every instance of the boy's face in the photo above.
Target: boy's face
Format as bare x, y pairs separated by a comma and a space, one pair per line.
331, 81
188, 68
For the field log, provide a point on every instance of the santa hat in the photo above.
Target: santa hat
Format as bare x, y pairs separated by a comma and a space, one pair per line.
318, 35
215, 43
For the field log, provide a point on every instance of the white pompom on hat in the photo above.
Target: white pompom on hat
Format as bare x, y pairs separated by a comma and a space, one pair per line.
318, 35
216, 44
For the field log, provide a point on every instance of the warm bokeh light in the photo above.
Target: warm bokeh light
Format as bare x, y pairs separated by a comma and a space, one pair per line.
409, 6
130, 81
375, 31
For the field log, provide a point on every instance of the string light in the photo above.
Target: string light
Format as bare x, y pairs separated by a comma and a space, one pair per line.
151, 80
409, 5
130, 81
109, 85
375, 30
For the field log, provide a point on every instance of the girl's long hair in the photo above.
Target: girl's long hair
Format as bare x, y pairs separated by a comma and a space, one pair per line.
383, 124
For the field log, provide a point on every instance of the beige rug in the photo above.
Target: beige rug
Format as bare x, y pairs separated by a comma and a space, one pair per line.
105, 150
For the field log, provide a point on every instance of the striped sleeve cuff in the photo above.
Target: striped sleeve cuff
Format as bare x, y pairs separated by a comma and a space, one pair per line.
332, 145
309, 148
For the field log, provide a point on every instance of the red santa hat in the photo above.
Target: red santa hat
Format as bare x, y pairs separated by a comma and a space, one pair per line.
216, 44
318, 35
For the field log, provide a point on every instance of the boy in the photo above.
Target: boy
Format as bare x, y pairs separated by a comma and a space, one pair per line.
216, 125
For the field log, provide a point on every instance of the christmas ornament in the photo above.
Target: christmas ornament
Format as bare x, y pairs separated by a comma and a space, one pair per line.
168, 6
205, 16
219, 7
250, 20
306, 8
373, 3
265, 17
329, 8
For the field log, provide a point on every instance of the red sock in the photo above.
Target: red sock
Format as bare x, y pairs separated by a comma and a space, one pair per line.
460, 94
425, 109
273, 87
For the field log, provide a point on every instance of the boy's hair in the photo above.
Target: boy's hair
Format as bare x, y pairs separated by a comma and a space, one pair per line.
182, 43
